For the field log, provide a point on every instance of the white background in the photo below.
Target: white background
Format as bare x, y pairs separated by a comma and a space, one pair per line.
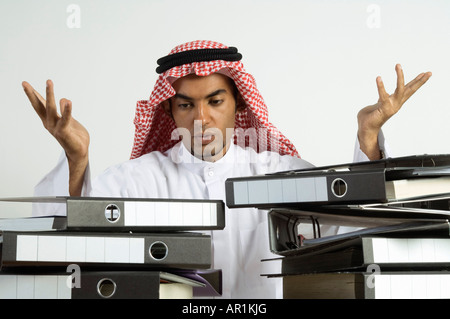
315, 63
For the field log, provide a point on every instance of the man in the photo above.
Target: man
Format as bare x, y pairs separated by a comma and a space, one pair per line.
204, 95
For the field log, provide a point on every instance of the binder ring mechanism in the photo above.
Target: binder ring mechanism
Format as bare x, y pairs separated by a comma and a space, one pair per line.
106, 288
339, 187
112, 213
158, 250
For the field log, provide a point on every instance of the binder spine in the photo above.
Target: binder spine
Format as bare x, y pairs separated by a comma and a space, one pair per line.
189, 251
144, 215
84, 285
292, 190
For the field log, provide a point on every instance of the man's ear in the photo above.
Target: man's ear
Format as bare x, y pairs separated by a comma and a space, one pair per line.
167, 106
240, 103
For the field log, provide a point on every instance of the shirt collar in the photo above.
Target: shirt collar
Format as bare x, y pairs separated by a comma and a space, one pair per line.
181, 155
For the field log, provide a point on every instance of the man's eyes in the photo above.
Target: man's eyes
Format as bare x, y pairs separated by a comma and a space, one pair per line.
216, 102
213, 102
184, 105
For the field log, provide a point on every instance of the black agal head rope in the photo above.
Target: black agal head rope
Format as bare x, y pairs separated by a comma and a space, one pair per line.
199, 55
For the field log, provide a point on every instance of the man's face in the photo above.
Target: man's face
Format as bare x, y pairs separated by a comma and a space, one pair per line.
204, 109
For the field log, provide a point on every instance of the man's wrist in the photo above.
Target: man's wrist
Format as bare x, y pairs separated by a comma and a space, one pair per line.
369, 145
77, 170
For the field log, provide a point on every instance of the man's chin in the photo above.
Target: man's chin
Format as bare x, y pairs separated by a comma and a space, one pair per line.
208, 152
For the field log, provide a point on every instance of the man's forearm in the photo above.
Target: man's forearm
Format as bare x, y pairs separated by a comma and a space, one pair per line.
369, 145
77, 170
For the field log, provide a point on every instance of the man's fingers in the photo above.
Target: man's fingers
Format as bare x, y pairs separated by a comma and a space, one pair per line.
29, 91
52, 113
382, 94
400, 78
40, 98
420, 80
415, 84
66, 111
35, 99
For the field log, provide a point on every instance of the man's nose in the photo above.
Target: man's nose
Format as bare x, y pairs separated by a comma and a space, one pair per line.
203, 113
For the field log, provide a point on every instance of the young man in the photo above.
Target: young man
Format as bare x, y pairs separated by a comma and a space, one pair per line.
204, 96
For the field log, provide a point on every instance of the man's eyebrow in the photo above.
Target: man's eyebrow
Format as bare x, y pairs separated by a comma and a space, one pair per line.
182, 96
216, 92
185, 97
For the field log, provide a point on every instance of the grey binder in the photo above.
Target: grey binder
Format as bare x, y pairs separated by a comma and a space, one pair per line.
61, 248
285, 239
96, 285
136, 214
367, 182
389, 253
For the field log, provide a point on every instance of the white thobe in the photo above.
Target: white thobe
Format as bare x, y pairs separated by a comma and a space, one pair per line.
237, 249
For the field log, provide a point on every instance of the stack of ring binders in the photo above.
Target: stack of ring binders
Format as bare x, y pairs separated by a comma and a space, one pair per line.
111, 248
372, 230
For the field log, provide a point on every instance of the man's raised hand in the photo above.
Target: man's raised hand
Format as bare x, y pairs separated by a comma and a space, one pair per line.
372, 117
70, 134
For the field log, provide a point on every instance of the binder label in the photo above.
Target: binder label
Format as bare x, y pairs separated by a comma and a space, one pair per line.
170, 214
287, 190
79, 249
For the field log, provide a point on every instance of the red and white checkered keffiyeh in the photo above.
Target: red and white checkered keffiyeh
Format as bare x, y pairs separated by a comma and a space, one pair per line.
154, 127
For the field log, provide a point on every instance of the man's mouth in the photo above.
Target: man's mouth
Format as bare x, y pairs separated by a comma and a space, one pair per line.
203, 139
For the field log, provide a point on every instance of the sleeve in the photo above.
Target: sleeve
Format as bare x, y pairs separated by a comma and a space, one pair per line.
56, 183
360, 156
